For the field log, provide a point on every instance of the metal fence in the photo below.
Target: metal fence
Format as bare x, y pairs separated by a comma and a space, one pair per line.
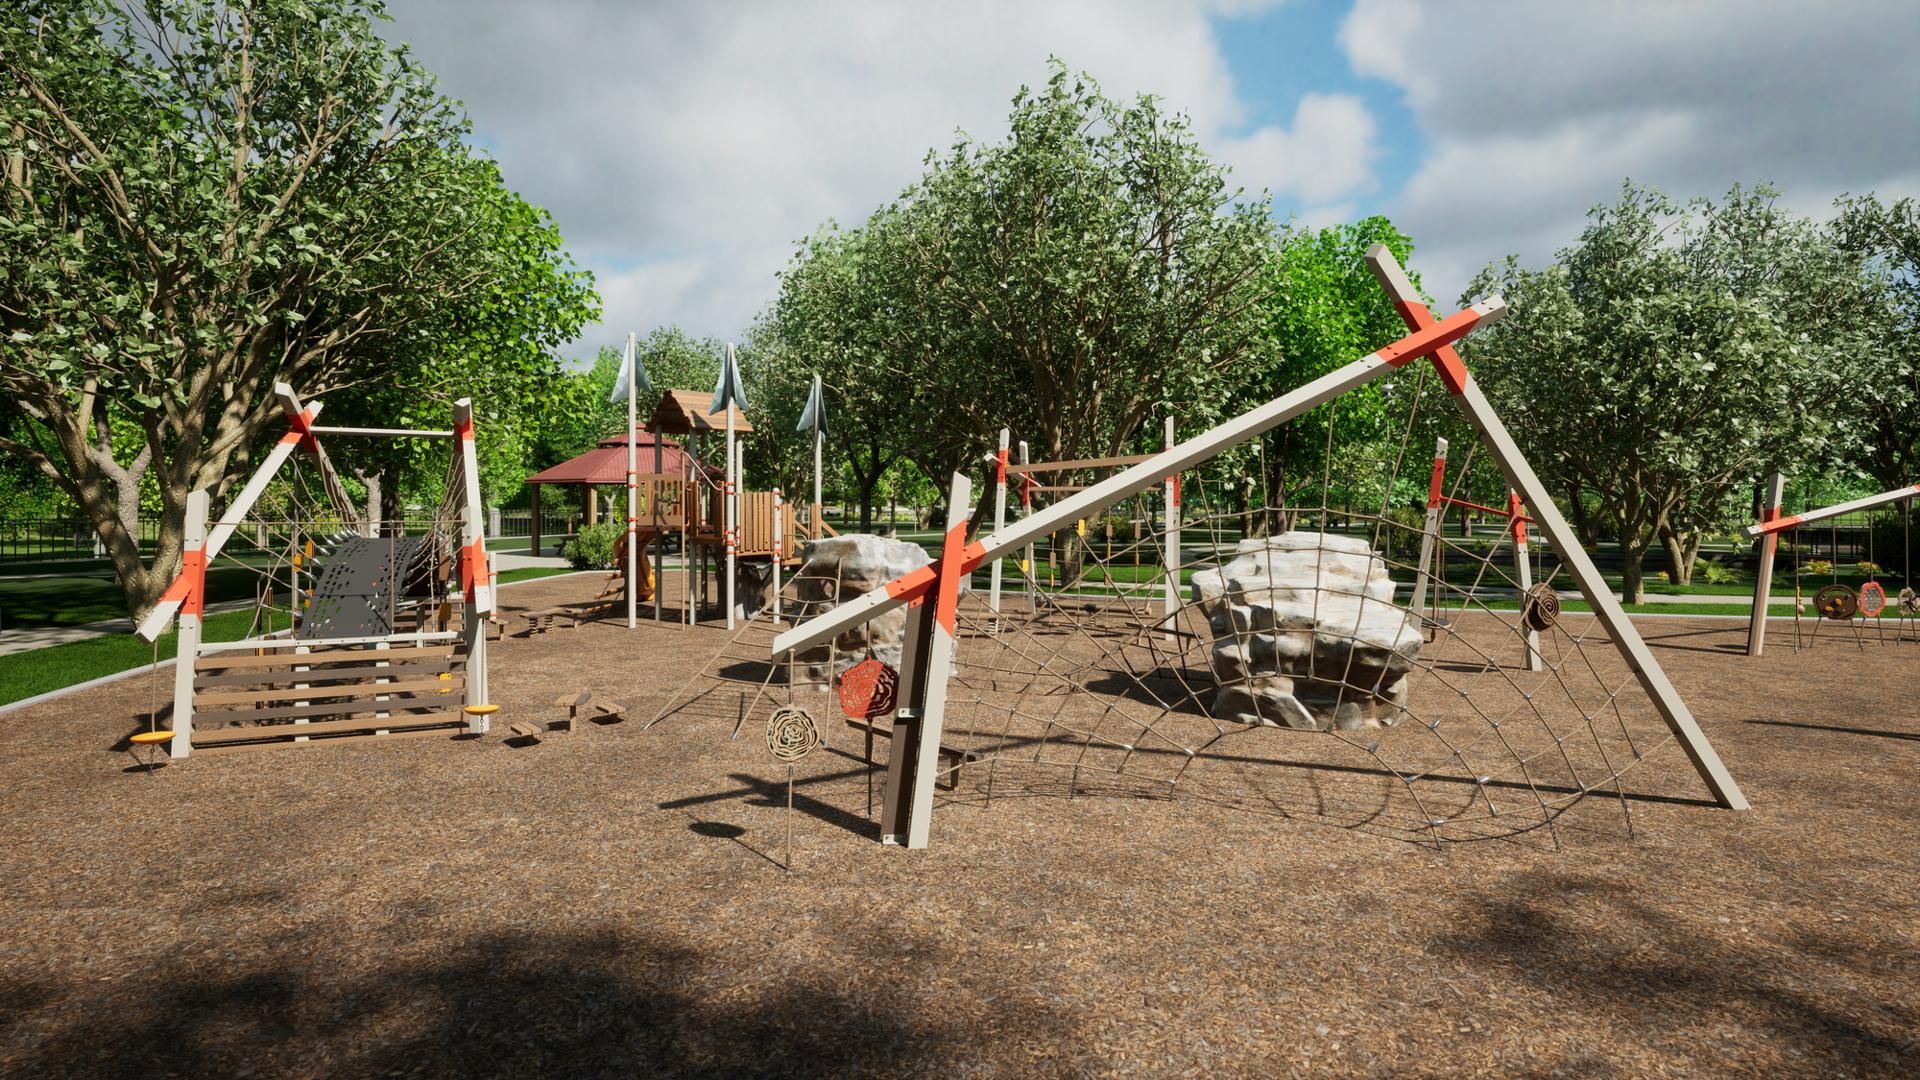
30, 539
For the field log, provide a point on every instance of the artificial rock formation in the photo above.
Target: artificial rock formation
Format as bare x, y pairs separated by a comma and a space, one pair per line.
1306, 634
837, 569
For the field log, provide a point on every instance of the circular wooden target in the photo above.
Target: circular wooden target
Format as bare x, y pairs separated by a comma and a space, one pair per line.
1872, 599
1836, 602
1541, 608
791, 734
1909, 602
867, 690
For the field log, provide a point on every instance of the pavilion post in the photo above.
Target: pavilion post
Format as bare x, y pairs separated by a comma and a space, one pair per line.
533, 529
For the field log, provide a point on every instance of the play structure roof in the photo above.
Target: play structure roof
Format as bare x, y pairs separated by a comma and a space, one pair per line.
607, 464
684, 412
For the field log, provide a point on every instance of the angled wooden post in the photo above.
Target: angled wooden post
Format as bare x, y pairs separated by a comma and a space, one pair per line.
1170, 507
1154, 470
1763, 579
1606, 607
1430, 533
999, 522
189, 592
1030, 571
913, 762
299, 436
1523, 573
476, 578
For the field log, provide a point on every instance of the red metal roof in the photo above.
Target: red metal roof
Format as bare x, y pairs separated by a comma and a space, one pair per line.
608, 464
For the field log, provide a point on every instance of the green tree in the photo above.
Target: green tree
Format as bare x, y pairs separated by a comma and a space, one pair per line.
1888, 235
1323, 309
1674, 353
203, 198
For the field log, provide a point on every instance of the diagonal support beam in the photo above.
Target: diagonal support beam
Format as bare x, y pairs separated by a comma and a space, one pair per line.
1520, 476
1088, 503
1870, 502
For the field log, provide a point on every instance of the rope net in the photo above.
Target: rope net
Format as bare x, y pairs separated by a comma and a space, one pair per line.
1298, 675
305, 520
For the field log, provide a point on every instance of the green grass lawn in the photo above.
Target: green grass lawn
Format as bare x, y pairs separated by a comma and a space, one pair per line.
22, 675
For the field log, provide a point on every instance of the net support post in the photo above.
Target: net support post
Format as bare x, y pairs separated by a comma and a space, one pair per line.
1170, 503
194, 571
999, 522
926, 665
1606, 607
1763, 577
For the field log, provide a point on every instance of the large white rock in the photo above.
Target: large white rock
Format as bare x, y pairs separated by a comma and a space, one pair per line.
837, 569
1306, 634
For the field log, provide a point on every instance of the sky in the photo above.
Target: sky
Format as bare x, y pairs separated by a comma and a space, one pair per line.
685, 148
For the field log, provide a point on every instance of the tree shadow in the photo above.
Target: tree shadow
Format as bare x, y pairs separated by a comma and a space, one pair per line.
1621, 955
1904, 735
613, 1003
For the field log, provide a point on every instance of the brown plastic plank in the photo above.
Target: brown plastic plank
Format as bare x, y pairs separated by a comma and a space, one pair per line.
323, 656
332, 740
368, 671
333, 708
327, 727
315, 693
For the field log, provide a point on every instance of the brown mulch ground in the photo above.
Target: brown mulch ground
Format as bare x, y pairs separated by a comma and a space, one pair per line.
613, 903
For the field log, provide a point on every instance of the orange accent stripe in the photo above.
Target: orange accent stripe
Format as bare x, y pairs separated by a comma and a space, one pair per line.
1446, 362
1436, 487
190, 587
1000, 468
952, 567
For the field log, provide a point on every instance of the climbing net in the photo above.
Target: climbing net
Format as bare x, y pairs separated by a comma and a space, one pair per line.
305, 520
1333, 655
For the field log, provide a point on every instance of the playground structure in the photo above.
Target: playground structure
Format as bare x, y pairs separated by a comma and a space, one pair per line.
1026, 470
1540, 604
1834, 602
685, 497
1100, 680
387, 632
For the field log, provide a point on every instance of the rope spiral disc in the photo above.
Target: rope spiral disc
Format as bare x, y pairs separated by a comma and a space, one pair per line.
1873, 599
867, 689
791, 734
1909, 602
1541, 608
1836, 602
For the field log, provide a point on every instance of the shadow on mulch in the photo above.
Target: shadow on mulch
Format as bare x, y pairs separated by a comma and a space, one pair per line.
532, 1004
1603, 955
1907, 735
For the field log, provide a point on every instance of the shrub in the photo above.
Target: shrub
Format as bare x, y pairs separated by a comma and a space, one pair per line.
1716, 572
1817, 567
594, 546
1870, 568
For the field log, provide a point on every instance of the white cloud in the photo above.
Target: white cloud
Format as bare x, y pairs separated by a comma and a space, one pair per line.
684, 147
1327, 153
1532, 112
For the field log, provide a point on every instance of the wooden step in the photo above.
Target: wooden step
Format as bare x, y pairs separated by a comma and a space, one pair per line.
276, 744
403, 722
316, 693
215, 661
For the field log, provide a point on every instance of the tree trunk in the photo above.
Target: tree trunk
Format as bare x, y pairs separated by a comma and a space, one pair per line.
1682, 552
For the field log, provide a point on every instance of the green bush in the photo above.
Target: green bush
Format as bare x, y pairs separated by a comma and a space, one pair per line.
1869, 569
1406, 527
1816, 567
1715, 572
594, 546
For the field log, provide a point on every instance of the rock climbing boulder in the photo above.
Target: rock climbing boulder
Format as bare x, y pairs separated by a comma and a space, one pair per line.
1306, 634
835, 569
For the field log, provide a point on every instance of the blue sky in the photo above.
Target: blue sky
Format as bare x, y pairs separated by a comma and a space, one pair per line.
1278, 55
684, 147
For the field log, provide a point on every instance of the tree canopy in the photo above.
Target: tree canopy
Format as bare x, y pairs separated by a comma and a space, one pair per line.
1674, 354
203, 198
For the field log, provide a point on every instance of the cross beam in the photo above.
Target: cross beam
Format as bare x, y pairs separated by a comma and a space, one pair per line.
1760, 529
1422, 342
